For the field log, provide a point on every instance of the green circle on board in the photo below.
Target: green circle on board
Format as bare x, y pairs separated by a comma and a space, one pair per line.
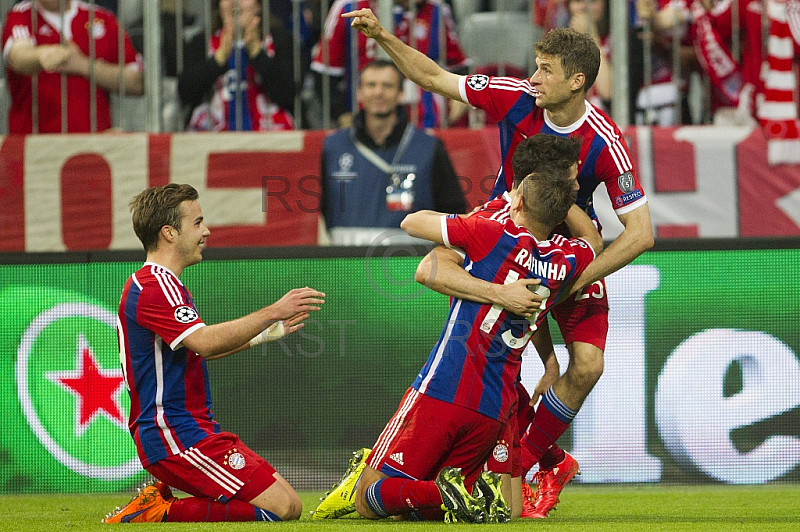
62, 395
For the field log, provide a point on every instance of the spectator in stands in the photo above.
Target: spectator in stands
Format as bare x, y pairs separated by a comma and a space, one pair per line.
38, 51
425, 37
382, 168
655, 104
426, 17
250, 75
549, 14
169, 42
592, 18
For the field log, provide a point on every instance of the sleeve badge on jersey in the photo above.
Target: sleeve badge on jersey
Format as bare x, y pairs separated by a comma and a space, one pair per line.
185, 314
625, 182
478, 82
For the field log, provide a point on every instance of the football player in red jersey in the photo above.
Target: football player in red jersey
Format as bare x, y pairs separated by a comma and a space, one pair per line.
552, 101
397, 452
164, 345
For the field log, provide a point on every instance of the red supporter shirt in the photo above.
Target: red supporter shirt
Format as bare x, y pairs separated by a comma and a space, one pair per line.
105, 30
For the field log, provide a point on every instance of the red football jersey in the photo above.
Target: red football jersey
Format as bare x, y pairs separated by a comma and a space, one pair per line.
167, 382
105, 30
604, 156
477, 359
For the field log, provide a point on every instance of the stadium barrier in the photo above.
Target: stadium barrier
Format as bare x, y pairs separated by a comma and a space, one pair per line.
71, 192
700, 383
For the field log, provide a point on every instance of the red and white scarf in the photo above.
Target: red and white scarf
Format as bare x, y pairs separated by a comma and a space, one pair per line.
776, 109
715, 57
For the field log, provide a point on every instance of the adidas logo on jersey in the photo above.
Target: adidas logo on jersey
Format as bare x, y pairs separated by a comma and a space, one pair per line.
397, 457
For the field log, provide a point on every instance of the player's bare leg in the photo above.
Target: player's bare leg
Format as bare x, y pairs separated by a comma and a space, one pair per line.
584, 370
369, 477
280, 499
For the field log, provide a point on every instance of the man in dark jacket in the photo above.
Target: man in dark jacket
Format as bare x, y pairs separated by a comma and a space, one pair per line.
382, 168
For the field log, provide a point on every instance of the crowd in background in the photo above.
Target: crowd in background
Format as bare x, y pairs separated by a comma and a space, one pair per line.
286, 64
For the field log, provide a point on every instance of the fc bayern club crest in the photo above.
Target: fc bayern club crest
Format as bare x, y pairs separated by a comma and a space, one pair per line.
478, 82
500, 452
185, 314
236, 461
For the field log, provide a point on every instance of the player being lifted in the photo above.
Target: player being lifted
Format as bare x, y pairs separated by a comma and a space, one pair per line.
465, 394
551, 101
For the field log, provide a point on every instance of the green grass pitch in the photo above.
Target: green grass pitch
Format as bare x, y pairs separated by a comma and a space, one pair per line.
582, 507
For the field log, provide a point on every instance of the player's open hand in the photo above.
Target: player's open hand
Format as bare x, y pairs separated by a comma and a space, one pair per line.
518, 297
365, 21
295, 323
298, 301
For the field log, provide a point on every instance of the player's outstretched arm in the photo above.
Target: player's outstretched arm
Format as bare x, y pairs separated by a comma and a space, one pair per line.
635, 239
424, 224
417, 67
276, 331
233, 336
443, 270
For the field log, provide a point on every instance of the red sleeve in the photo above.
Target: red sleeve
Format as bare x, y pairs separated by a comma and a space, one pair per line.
131, 55
614, 167
494, 94
14, 19
110, 50
476, 235
584, 254
167, 315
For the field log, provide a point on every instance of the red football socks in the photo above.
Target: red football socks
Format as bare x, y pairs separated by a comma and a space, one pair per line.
401, 495
203, 510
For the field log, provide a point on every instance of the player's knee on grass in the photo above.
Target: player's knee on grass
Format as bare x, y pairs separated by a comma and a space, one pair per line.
368, 478
281, 500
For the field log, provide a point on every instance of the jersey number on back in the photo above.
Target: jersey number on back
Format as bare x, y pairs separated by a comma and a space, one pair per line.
508, 337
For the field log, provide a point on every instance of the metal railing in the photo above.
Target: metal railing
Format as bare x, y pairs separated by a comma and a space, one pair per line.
148, 112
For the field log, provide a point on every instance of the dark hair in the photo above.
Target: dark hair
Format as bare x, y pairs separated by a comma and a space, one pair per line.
548, 194
155, 207
382, 63
577, 51
540, 150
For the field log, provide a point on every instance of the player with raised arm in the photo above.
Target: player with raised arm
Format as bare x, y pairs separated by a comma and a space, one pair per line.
164, 345
552, 101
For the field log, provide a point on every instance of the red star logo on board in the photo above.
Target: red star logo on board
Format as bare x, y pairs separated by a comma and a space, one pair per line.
96, 389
